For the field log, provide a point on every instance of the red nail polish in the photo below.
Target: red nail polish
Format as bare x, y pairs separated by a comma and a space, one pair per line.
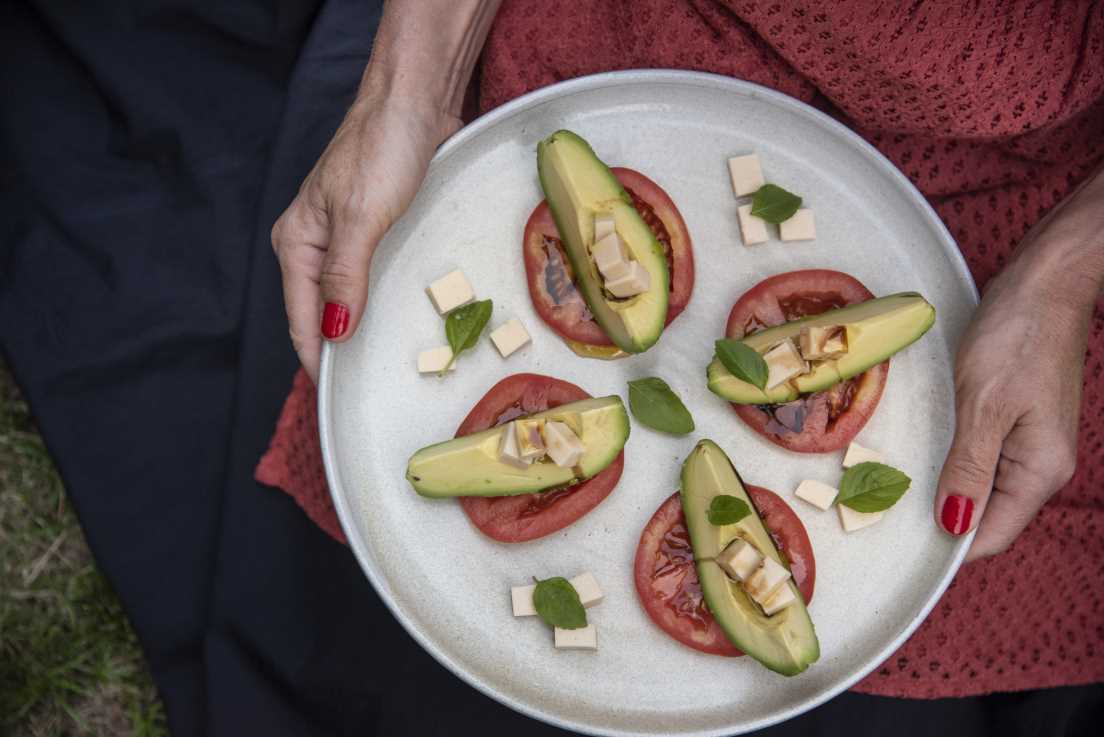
335, 319
956, 514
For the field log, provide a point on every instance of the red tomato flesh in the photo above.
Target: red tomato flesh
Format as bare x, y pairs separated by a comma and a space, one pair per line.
515, 519
821, 422
549, 275
667, 580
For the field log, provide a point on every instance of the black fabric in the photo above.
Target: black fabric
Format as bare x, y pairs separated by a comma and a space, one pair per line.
145, 150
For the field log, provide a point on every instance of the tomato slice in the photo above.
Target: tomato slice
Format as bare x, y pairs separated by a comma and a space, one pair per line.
515, 519
551, 283
667, 581
823, 421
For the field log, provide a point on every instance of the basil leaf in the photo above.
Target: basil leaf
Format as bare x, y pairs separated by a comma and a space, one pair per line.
654, 404
464, 325
557, 603
742, 362
872, 487
774, 204
727, 510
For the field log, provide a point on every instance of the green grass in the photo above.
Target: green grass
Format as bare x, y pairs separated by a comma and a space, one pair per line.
69, 662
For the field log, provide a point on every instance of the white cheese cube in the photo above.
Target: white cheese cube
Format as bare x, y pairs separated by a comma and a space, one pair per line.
779, 600
746, 174
740, 559
636, 281
584, 638
434, 360
562, 444
766, 579
609, 256
508, 448
530, 440
857, 454
817, 493
752, 229
783, 363
509, 336
586, 586
603, 225
450, 291
819, 343
800, 227
522, 599
852, 520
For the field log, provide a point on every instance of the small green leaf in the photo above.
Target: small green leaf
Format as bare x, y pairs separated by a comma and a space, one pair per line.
743, 362
774, 204
654, 404
557, 603
727, 510
872, 487
464, 325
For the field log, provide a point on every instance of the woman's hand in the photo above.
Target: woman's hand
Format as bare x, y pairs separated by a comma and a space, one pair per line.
1018, 379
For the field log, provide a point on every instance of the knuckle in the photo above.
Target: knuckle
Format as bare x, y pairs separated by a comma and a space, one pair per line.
970, 468
341, 274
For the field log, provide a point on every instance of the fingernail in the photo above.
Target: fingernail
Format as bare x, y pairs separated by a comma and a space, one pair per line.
956, 514
335, 319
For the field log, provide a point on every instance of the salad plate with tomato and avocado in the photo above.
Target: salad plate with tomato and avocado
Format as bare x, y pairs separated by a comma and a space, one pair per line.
641, 429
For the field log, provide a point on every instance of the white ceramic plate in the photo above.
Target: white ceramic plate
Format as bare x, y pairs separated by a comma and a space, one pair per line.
449, 585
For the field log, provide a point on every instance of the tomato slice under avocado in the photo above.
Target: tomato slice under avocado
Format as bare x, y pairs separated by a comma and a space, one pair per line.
667, 580
821, 422
514, 519
548, 273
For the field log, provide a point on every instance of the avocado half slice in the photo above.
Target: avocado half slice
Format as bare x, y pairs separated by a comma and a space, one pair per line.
469, 466
876, 329
786, 642
578, 185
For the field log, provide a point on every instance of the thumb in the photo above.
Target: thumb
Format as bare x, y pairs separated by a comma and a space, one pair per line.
967, 478
344, 279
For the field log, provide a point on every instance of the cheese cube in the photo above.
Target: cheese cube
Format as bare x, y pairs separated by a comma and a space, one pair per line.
779, 600
746, 174
609, 257
603, 225
852, 520
562, 444
434, 360
636, 281
819, 343
586, 586
857, 454
752, 229
522, 599
784, 363
450, 291
584, 638
530, 440
508, 448
509, 337
819, 494
740, 559
766, 579
800, 226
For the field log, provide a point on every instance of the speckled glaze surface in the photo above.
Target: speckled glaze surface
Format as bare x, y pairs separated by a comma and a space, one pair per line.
449, 585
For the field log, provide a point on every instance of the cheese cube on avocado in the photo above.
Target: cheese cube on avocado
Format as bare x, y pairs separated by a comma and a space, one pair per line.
783, 363
746, 174
521, 597
562, 444
740, 559
584, 638
603, 225
609, 257
752, 229
636, 280
509, 337
852, 520
857, 454
779, 600
817, 493
766, 579
434, 360
508, 448
586, 586
450, 291
821, 342
530, 439
799, 227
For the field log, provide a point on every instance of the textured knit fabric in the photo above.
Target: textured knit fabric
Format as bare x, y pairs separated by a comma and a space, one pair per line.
995, 111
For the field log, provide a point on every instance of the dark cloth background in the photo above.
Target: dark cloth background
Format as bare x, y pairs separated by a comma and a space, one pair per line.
145, 150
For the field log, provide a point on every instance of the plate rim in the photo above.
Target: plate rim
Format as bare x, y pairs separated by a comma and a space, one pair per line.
506, 111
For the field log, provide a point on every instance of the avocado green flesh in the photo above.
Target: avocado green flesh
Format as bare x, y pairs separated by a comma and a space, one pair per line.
876, 330
785, 642
469, 466
578, 185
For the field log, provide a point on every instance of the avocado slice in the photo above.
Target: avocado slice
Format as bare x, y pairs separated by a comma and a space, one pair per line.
577, 185
469, 466
786, 642
876, 329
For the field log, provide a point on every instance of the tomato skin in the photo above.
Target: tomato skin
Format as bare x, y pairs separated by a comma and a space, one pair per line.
524, 517
763, 306
663, 581
558, 302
